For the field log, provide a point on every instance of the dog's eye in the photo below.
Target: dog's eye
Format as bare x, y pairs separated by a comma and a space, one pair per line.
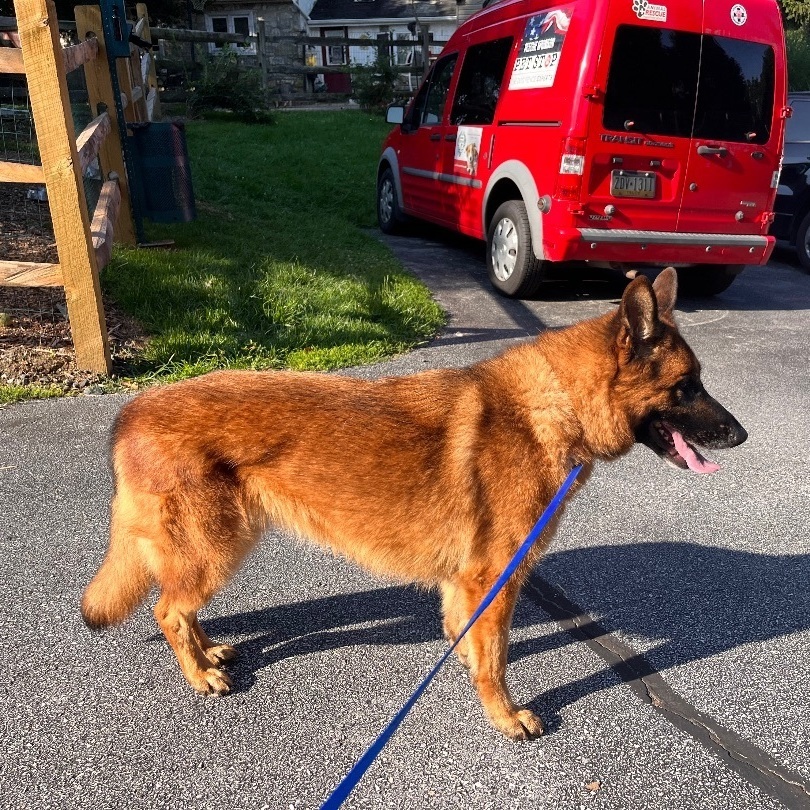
687, 389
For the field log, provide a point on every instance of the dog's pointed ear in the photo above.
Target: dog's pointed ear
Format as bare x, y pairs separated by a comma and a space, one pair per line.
638, 315
666, 290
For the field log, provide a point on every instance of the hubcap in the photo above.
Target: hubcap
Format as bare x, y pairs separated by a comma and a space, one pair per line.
386, 201
504, 249
807, 244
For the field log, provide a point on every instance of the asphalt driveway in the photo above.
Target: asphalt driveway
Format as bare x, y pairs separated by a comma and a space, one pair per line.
665, 640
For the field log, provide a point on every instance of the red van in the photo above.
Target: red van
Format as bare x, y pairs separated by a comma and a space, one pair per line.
621, 133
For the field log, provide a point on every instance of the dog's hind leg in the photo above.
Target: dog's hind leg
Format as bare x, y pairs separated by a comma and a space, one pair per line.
205, 536
177, 617
216, 653
487, 651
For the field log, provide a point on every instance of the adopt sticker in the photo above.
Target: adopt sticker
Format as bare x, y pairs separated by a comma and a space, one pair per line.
540, 49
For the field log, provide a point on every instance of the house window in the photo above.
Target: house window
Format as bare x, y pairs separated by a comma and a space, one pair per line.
404, 55
336, 54
236, 22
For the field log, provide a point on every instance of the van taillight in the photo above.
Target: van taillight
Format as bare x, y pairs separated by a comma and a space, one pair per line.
572, 165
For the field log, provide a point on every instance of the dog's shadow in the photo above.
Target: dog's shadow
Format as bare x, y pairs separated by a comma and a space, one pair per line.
694, 601
389, 615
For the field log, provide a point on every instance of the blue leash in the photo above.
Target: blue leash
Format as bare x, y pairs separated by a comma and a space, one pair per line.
347, 784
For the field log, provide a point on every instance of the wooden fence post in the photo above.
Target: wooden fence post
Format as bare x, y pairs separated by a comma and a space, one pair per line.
261, 44
425, 50
100, 91
50, 106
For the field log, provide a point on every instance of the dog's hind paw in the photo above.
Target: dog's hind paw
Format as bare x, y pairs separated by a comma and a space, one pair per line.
520, 725
213, 681
220, 653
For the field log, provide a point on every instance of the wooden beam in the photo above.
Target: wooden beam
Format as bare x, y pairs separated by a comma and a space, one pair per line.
295, 70
11, 61
56, 138
187, 35
103, 223
75, 56
92, 136
11, 172
30, 274
358, 41
99, 89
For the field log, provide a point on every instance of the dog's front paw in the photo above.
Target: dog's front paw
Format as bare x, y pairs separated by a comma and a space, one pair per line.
521, 724
220, 653
212, 681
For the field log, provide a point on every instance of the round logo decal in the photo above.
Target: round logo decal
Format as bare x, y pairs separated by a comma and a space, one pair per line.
739, 15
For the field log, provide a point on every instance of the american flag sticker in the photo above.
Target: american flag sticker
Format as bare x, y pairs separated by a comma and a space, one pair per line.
540, 48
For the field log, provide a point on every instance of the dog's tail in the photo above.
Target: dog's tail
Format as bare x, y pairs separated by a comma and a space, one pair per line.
122, 582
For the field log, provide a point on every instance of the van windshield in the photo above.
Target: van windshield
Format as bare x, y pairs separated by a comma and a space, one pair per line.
681, 84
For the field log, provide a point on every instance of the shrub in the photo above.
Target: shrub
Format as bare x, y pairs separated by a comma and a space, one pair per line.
227, 85
375, 85
798, 50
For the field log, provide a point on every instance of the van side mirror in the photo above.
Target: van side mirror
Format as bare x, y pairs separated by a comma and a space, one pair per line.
395, 114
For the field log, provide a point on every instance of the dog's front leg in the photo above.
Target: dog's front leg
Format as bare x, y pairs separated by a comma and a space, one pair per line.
487, 645
454, 621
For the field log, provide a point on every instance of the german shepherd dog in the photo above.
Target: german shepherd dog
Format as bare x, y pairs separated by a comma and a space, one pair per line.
435, 477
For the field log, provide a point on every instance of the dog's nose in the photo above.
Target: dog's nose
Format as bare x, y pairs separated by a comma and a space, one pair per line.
736, 433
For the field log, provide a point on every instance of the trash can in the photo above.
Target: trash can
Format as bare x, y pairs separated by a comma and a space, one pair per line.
164, 182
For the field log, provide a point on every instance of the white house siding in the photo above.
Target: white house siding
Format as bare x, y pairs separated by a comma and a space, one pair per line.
442, 30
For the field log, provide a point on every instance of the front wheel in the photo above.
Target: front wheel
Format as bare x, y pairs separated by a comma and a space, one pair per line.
803, 243
706, 280
513, 268
389, 215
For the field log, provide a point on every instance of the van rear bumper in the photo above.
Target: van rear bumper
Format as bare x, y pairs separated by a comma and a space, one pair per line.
624, 245
627, 237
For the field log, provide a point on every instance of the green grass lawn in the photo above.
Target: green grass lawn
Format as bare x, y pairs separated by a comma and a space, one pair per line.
282, 268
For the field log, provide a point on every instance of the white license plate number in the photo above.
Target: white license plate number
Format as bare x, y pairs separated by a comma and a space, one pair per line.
640, 185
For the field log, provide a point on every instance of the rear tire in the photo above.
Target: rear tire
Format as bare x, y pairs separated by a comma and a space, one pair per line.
389, 214
513, 268
803, 243
706, 280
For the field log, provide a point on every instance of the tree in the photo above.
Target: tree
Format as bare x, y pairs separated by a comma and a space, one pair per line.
796, 11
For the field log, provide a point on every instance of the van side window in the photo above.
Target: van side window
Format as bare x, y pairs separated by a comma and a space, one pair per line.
479, 84
676, 83
428, 106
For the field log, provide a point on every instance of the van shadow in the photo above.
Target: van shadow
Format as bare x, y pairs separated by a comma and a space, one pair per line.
696, 601
781, 285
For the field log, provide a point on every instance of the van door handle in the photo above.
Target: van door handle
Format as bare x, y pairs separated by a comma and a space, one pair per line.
450, 137
703, 149
435, 137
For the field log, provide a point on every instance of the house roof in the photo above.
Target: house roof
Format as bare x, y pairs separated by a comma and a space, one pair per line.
381, 9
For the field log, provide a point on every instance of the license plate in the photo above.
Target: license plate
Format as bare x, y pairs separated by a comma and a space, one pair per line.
632, 184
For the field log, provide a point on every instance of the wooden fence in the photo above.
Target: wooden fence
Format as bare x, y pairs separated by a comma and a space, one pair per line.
297, 67
83, 243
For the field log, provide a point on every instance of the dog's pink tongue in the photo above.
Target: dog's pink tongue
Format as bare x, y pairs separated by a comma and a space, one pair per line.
693, 460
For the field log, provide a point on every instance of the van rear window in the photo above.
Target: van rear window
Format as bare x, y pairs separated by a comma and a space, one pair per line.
681, 84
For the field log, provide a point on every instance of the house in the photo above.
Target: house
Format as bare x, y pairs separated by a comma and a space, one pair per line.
398, 20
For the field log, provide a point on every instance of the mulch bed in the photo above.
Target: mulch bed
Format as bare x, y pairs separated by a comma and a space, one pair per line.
35, 341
